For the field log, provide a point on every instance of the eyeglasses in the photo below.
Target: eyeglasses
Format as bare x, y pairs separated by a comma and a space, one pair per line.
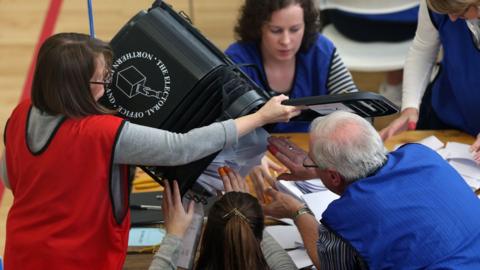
308, 163
107, 80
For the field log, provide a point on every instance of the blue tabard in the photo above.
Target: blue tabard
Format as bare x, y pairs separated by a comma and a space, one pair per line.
416, 212
311, 73
456, 90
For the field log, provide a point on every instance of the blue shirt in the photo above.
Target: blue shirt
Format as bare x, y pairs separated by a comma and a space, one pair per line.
415, 212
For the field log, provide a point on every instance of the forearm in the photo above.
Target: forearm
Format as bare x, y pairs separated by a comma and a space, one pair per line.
167, 255
141, 145
420, 60
247, 123
308, 227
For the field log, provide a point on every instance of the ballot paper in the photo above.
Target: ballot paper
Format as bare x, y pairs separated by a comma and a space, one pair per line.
241, 157
287, 236
300, 258
145, 237
298, 188
458, 155
319, 201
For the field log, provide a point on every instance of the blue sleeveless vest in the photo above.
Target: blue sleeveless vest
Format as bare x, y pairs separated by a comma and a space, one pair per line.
415, 212
456, 91
311, 72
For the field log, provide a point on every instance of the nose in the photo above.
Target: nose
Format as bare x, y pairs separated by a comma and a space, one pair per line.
285, 40
453, 17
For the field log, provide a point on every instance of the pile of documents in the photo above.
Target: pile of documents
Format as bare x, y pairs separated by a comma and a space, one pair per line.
317, 197
459, 157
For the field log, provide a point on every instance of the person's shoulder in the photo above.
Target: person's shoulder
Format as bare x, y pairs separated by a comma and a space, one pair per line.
320, 47
417, 147
104, 120
242, 51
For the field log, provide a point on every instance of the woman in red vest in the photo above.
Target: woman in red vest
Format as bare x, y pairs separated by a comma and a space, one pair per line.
66, 155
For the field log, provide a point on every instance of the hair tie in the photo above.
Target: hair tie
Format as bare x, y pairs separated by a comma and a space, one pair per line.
237, 213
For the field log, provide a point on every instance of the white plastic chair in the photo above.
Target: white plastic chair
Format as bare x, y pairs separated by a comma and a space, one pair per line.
368, 56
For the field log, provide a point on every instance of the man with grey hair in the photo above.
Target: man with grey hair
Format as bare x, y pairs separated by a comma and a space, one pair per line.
407, 209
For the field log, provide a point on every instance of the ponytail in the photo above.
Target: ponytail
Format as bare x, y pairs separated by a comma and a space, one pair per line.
241, 247
233, 233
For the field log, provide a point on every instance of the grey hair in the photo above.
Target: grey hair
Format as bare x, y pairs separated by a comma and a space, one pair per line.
348, 144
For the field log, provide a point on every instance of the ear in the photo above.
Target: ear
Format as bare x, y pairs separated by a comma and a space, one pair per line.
336, 178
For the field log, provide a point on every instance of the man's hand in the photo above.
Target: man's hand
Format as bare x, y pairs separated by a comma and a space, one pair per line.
292, 156
282, 205
407, 121
176, 219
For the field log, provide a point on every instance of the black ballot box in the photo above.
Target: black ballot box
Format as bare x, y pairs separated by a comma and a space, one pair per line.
167, 75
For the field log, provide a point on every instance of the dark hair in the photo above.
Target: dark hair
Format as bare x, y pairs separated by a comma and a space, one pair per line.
65, 65
231, 239
254, 13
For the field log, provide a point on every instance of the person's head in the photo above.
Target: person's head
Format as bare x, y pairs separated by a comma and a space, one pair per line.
456, 9
345, 147
282, 27
233, 233
69, 75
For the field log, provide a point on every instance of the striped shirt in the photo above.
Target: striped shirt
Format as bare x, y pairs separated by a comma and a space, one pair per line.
335, 253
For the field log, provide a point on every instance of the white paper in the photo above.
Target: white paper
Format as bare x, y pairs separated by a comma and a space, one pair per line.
466, 167
289, 187
286, 235
325, 109
319, 201
432, 142
145, 237
300, 258
191, 237
458, 151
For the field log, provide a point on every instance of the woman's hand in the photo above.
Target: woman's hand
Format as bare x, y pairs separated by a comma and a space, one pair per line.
292, 156
475, 149
176, 219
271, 112
274, 112
407, 121
232, 180
262, 178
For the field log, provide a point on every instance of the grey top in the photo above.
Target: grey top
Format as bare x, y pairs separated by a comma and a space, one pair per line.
166, 257
140, 145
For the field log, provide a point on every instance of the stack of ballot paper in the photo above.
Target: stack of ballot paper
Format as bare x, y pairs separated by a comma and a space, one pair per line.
459, 157
289, 239
241, 157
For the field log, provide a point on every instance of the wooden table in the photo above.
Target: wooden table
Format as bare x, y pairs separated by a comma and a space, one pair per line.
301, 139
142, 261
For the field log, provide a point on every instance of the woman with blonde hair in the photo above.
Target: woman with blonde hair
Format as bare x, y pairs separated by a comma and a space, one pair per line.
451, 100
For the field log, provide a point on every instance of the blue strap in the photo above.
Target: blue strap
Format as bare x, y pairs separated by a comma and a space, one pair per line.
90, 19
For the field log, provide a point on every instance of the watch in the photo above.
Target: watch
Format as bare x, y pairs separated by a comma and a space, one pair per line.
303, 210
